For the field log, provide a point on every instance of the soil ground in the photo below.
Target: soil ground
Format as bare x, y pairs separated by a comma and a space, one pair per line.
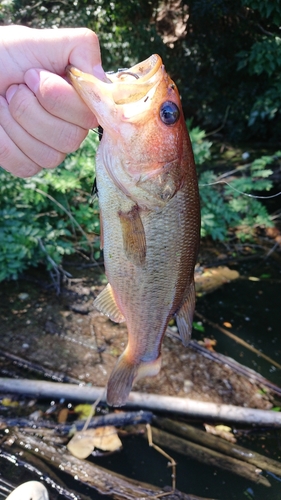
66, 334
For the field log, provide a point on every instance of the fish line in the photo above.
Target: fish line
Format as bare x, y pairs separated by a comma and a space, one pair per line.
242, 192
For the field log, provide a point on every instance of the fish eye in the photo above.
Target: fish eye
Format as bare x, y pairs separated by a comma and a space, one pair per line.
169, 113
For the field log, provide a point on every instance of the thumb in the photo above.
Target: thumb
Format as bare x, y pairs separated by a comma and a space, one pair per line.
78, 47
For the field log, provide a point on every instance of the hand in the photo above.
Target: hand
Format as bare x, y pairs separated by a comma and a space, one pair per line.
41, 116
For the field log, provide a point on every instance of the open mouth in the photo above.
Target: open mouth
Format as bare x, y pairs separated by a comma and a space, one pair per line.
124, 86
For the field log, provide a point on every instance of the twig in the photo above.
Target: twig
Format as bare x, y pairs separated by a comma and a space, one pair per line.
184, 406
210, 457
238, 340
57, 269
221, 126
68, 213
172, 462
93, 410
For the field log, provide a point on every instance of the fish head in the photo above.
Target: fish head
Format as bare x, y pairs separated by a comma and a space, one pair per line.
145, 147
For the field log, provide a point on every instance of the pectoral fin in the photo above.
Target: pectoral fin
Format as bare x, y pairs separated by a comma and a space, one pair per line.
184, 316
105, 303
133, 236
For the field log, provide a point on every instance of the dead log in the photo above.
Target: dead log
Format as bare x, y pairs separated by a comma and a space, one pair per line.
183, 406
208, 456
216, 443
89, 474
120, 419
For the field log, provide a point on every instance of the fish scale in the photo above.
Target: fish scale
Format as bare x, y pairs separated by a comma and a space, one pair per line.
150, 215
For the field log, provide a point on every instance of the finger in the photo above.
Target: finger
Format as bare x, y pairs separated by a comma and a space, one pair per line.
47, 49
55, 132
79, 46
36, 151
59, 98
12, 158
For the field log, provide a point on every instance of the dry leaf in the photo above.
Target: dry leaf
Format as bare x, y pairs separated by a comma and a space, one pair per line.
227, 324
222, 431
208, 343
213, 278
83, 443
106, 438
62, 416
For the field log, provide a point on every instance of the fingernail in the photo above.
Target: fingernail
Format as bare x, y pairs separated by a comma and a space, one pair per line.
11, 92
32, 79
99, 73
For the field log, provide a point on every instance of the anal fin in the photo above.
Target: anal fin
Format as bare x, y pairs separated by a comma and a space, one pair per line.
134, 240
184, 316
105, 303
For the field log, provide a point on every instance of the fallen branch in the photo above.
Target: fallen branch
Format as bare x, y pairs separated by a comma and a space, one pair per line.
184, 406
217, 443
120, 419
237, 367
209, 457
89, 474
39, 369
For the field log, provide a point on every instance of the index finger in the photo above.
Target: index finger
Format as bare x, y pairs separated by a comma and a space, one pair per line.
59, 98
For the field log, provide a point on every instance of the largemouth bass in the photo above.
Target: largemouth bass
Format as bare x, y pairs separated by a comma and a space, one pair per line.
150, 215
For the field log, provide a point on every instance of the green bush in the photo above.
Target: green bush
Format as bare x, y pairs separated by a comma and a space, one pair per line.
226, 210
48, 216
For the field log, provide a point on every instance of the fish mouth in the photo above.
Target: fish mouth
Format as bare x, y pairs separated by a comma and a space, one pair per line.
123, 87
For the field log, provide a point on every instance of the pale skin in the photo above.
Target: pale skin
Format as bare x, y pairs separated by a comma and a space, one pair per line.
42, 118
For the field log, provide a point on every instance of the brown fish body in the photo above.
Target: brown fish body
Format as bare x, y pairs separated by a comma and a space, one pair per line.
149, 202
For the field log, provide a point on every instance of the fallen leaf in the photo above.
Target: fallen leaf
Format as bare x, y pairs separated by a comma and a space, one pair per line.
208, 343
62, 416
84, 411
9, 402
83, 443
222, 431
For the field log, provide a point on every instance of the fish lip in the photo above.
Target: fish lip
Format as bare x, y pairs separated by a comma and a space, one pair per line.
125, 86
144, 70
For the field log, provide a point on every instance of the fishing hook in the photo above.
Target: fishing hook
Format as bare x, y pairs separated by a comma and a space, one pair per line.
127, 73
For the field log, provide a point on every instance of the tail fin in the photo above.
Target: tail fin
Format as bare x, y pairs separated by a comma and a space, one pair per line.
120, 381
124, 375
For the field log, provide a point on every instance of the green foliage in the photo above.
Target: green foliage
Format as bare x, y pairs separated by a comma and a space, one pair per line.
222, 55
226, 210
201, 147
48, 216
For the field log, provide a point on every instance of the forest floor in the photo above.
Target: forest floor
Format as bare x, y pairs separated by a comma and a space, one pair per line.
65, 334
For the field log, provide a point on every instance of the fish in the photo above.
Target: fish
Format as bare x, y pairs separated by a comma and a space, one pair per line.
149, 211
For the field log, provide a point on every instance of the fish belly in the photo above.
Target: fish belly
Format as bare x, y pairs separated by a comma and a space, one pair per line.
147, 295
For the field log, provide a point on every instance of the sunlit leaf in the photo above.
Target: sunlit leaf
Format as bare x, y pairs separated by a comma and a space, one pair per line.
104, 438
